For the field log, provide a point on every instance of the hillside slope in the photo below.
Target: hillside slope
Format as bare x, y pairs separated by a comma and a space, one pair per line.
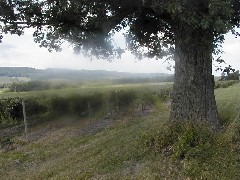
54, 73
133, 148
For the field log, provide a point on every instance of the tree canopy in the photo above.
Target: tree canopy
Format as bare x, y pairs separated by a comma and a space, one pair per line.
89, 24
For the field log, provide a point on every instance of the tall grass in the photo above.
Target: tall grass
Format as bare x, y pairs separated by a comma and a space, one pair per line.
228, 103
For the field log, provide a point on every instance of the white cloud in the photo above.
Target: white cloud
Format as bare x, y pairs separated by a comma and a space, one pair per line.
22, 51
231, 49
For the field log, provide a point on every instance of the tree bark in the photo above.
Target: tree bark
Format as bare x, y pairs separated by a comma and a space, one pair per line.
193, 91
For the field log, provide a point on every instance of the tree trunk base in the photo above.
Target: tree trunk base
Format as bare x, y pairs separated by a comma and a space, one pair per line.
193, 91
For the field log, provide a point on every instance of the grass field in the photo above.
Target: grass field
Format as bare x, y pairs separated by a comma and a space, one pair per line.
89, 88
228, 102
132, 149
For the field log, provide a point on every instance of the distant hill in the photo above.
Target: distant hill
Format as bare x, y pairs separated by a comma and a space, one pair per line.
68, 74
19, 71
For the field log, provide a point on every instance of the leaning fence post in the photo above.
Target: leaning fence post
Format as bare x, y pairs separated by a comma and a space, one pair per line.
24, 118
89, 108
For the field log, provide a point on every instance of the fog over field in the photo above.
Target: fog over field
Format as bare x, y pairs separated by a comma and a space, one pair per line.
23, 52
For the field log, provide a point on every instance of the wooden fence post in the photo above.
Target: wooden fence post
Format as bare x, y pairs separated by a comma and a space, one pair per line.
25, 119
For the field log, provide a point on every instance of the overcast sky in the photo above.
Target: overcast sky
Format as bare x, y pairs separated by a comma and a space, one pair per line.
21, 51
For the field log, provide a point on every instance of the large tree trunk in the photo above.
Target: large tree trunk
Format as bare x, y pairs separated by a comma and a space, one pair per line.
193, 91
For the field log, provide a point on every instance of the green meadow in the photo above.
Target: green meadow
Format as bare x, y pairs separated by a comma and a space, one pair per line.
139, 144
85, 88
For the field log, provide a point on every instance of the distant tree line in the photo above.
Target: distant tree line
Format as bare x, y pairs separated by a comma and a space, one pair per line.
29, 86
18, 71
35, 85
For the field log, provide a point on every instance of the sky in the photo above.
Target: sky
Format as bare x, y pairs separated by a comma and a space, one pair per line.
22, 51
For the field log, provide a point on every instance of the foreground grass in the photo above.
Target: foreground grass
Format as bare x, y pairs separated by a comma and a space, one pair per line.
135, 148
113, 153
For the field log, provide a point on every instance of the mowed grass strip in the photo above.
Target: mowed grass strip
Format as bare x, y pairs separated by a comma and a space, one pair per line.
112, 151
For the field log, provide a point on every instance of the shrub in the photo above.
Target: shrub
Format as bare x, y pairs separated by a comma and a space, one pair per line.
29, 86
122, 99
59, 105
75, 104
36, 106
10, 112
225, 84
97, 101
